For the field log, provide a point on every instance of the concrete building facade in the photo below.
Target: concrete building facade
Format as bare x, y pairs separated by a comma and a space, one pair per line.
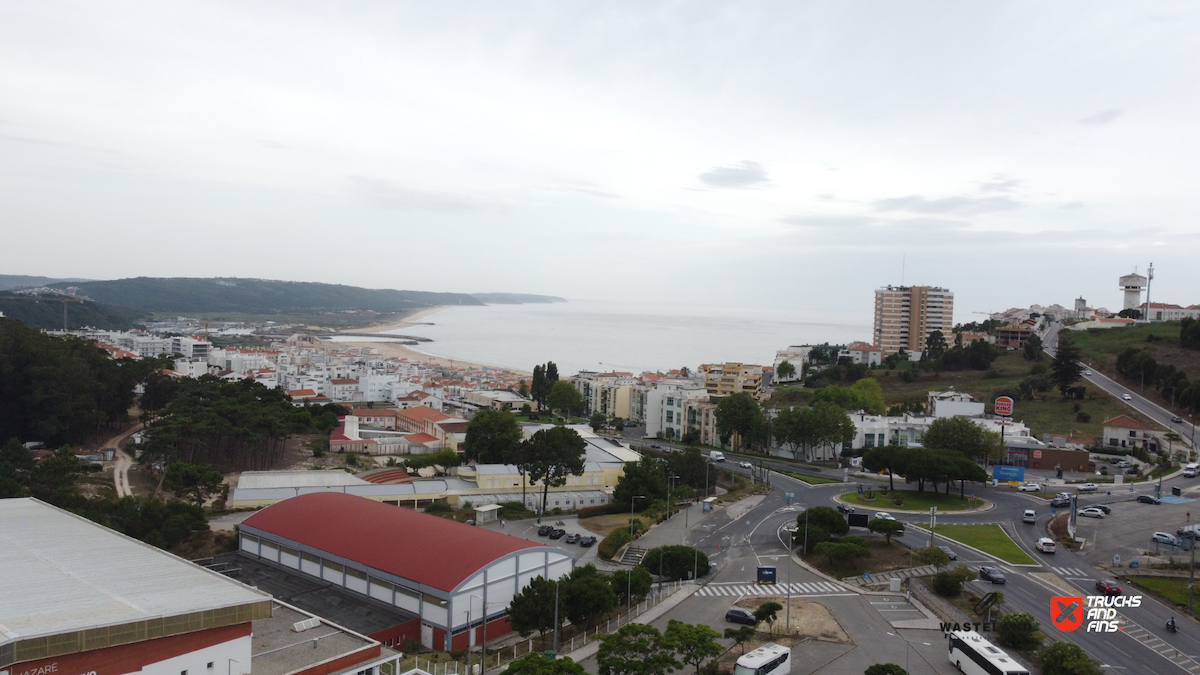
906, 315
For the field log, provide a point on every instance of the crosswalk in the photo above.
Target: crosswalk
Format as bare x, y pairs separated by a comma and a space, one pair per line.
738, 590
1071, 572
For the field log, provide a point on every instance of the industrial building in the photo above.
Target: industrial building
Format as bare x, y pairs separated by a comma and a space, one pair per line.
445, 575
76, 597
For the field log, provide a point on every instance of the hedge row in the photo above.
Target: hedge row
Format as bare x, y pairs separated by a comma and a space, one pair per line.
613, 542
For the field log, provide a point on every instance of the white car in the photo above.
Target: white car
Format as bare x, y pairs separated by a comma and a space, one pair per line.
1090, 512
745, 465
884, 515
1029, 487
1126, 397
1045, 545
1088, 373
1162, 538
1088, 487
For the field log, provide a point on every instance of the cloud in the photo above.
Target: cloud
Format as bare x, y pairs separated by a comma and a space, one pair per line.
1102, 117
746, 174
840, 222
387, 195
1000, 184
964, 206
1072, 205
582, 187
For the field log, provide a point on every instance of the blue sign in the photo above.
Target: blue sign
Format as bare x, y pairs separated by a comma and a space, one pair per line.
1133, 564
1002, 472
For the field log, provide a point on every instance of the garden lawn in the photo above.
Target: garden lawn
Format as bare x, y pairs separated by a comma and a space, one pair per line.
811, 480
915, 501
1173, 589
987, 538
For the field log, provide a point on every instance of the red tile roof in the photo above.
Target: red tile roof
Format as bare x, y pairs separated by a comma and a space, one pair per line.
388, 538
1124, 421
422, 413
295, 393
420, 438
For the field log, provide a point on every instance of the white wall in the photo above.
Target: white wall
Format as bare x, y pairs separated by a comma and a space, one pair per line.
196, 663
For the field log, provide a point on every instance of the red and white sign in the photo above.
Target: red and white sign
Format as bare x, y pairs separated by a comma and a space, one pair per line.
1004, 406
1037, 454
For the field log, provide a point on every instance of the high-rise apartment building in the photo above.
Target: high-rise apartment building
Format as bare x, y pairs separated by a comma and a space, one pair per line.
906, 315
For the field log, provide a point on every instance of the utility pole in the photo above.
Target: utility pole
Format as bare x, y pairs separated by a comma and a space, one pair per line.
1192, 573
932, 523
555, 618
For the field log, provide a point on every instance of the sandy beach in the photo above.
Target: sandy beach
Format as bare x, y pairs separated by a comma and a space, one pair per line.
400, 351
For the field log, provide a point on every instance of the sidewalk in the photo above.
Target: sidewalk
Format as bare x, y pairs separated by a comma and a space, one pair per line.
589, 650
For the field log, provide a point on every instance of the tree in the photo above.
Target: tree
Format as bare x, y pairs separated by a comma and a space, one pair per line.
565, 398
551, 455
887, 527
551, 373
597, 421
1066, 658
587, 595
825, 517
767, 613
888, 457
536, 663
740, 636
885, 669
931, 556
785, 371
869, 395
841, 551
533, 608
54, 478
1019, 631
493, 437
538, 389
635, 649
693, 643
738, 416
636, 581
792, 427
1066, 369
677, 562
523, 389
935, 346
963, 435
644, 477
194, 482
689, 465
1033, 348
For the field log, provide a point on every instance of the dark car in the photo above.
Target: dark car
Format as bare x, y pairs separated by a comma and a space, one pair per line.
1108, 587
558, 534
992, 574
1177, 419
949, 552
545, 530
739, 615
587, 541
572, 538
1102, 507
1131, 471
469, 521
845, 508
1059, 502
1149, 499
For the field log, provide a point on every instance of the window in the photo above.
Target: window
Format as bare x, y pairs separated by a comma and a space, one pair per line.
210, 665
1133, 434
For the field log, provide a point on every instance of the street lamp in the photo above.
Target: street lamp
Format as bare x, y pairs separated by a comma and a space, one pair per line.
907, 644
791, 548
629, 572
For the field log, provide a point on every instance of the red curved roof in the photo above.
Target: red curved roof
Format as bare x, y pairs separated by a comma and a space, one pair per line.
426, 549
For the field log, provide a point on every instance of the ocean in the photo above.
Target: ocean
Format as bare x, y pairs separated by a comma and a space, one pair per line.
635, 337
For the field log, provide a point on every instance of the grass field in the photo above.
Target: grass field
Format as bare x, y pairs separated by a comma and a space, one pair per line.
915, 501
1170, 588
811, 480
987, 538
1100, 348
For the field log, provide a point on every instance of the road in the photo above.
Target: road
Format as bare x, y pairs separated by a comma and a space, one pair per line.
1150, 409
122, 461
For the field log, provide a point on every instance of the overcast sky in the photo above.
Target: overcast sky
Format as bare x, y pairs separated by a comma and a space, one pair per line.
787, 154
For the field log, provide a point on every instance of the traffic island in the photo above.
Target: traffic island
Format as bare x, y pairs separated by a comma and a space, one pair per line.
986, 538
911, 501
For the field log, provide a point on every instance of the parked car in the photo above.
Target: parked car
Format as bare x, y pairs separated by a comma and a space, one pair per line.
1124, 463
1088, 487
884, 515
1126, 397
1103, 507
745, 465
1045, 545
1163, 538
739, 615
1090, 512
1148, 499
1029, 487
1108, 587
469, 521
992, 574
1131, 471
572, 538
656, 446
587, 541
558, 534
545, 530
949, 552
845, 508
1059, 502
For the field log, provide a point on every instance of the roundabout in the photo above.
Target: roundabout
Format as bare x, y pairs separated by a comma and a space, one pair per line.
914, 502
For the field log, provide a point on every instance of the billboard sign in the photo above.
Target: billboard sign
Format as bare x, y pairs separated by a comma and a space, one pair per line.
1008, 473
1004, 406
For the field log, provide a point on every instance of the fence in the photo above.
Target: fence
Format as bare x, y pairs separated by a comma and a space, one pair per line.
497, 657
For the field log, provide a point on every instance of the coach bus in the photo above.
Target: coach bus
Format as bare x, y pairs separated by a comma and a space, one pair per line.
769, 659
976, 656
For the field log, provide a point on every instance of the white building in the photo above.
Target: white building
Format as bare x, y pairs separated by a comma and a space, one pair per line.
797, 355
190, 347
953, 404
862, 353
665, 416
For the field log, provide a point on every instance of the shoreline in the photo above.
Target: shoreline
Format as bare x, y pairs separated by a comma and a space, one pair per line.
402, 351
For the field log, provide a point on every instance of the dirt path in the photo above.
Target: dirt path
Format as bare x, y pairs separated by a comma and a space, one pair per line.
123, 461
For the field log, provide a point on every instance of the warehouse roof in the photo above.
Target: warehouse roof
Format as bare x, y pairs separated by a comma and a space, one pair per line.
63, 573
436, 552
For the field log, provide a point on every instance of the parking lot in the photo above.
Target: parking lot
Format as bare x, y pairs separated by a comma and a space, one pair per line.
1127, 530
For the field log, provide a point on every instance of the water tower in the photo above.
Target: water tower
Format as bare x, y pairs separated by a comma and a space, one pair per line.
1133, 284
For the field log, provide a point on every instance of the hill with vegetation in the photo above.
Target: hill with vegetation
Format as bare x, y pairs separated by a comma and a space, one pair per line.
182, 295
10, 281
46, 311
1161, 360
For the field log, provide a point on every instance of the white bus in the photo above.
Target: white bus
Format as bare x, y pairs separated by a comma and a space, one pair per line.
976, 656
769, 659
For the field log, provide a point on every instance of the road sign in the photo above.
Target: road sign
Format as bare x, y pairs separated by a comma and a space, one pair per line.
1004, 406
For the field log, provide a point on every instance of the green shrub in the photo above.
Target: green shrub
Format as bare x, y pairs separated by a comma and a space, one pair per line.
439, 507
676, 562
946, 583
1019, 631
609, 546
